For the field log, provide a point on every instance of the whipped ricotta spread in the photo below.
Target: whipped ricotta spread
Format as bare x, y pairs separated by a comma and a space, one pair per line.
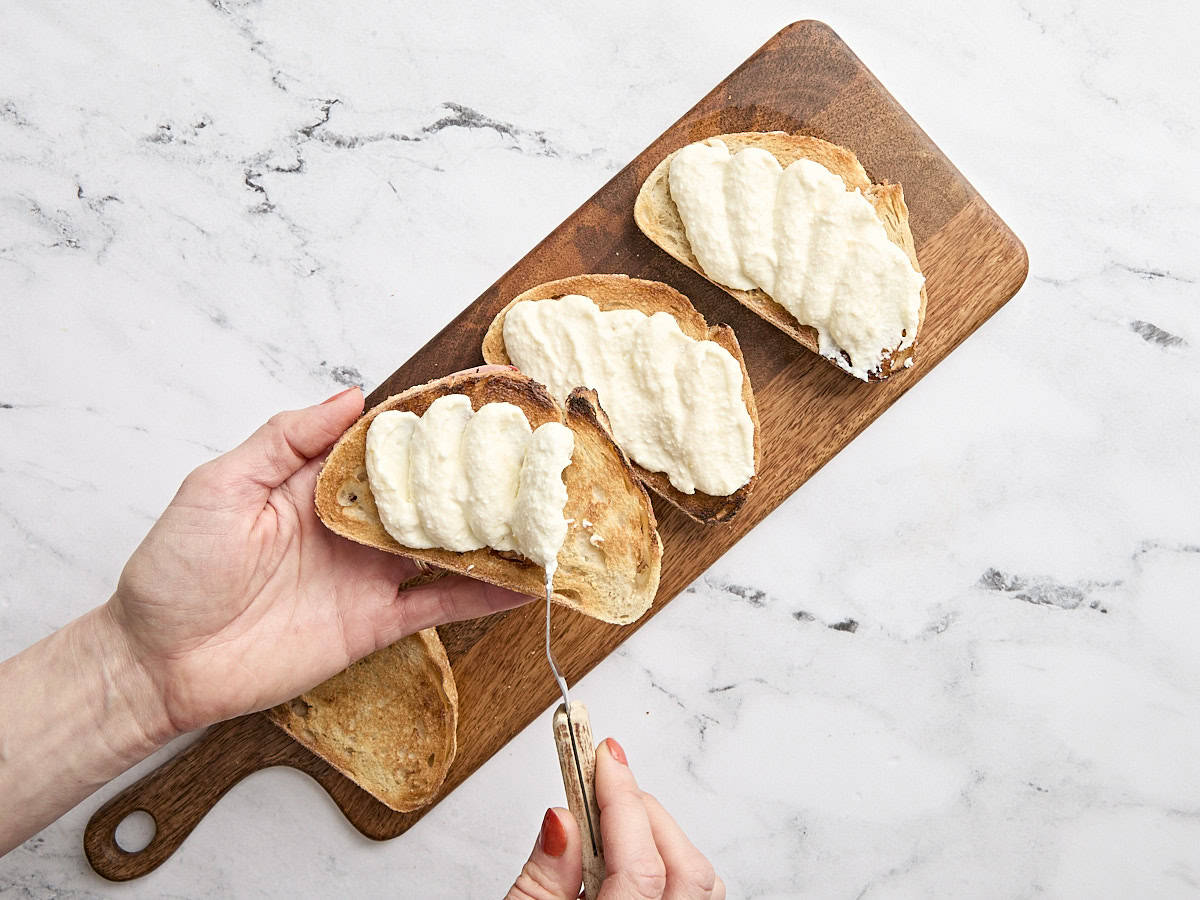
675, 403
797, 234
537, 520
462, 479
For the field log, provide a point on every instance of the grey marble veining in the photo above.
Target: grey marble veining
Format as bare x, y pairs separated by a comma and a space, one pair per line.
960, 662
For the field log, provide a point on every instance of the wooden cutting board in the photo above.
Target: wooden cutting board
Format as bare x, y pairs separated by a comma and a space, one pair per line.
803, 79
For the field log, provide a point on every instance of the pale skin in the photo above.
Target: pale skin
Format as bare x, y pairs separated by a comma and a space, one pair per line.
238, 599
646, 854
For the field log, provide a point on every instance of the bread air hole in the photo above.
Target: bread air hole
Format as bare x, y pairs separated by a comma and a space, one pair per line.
354, 498
348, 492
299, 707
591, 554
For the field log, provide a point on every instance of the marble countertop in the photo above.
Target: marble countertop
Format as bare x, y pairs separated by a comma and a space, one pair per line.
994, 692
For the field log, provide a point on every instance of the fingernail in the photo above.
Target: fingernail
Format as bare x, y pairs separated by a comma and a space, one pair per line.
615, 749
553, 837
339, 394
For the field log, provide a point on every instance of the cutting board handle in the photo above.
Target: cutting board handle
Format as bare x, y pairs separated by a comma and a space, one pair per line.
179, 793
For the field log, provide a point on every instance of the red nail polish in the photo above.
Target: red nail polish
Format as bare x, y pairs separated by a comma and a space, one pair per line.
553, 837
615, 749
339, 394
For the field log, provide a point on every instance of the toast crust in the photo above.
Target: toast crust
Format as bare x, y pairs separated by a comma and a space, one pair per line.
657, 216
608, 569
389, 722
622, 292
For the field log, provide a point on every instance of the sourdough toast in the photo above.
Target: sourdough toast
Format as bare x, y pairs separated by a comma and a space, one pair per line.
622, 292
657, 216
388, 722
608, 568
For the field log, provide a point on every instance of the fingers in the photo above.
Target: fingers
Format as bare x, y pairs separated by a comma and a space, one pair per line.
554, 870
282, 446
689, 873
448, 599
635, 868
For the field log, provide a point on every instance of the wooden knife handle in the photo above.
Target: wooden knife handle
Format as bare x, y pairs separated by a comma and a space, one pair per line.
179, 793
579, 779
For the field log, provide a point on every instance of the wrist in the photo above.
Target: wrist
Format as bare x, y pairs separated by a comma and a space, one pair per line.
127, 707
76, 709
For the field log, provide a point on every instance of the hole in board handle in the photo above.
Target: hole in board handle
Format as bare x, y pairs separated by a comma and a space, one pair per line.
135, 832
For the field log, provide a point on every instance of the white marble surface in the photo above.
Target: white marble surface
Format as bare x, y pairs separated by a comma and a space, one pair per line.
202, 203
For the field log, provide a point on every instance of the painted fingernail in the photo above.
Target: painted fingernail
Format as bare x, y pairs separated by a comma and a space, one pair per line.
339, 394
615, 749
553, 837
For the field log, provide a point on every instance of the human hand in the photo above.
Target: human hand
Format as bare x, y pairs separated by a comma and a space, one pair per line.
648, 856
239, 598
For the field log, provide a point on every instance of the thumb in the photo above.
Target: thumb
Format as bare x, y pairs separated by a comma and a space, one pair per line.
554, 870
281, 447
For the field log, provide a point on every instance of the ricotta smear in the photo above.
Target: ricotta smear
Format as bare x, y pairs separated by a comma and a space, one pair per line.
797, 234
463, 479
675, 403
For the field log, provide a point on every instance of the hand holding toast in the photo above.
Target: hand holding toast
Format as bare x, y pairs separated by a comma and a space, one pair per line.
237, 599
238, 578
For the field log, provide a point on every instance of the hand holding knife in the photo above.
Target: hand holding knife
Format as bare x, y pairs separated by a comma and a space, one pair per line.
577, 760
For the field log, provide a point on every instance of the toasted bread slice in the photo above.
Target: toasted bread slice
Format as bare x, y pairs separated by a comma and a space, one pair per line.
608, 568
658, 218
622, 292
388, 723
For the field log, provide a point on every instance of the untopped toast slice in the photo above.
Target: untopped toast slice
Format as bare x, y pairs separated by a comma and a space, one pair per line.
388, 723
609, 565
657, 216
622, 292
